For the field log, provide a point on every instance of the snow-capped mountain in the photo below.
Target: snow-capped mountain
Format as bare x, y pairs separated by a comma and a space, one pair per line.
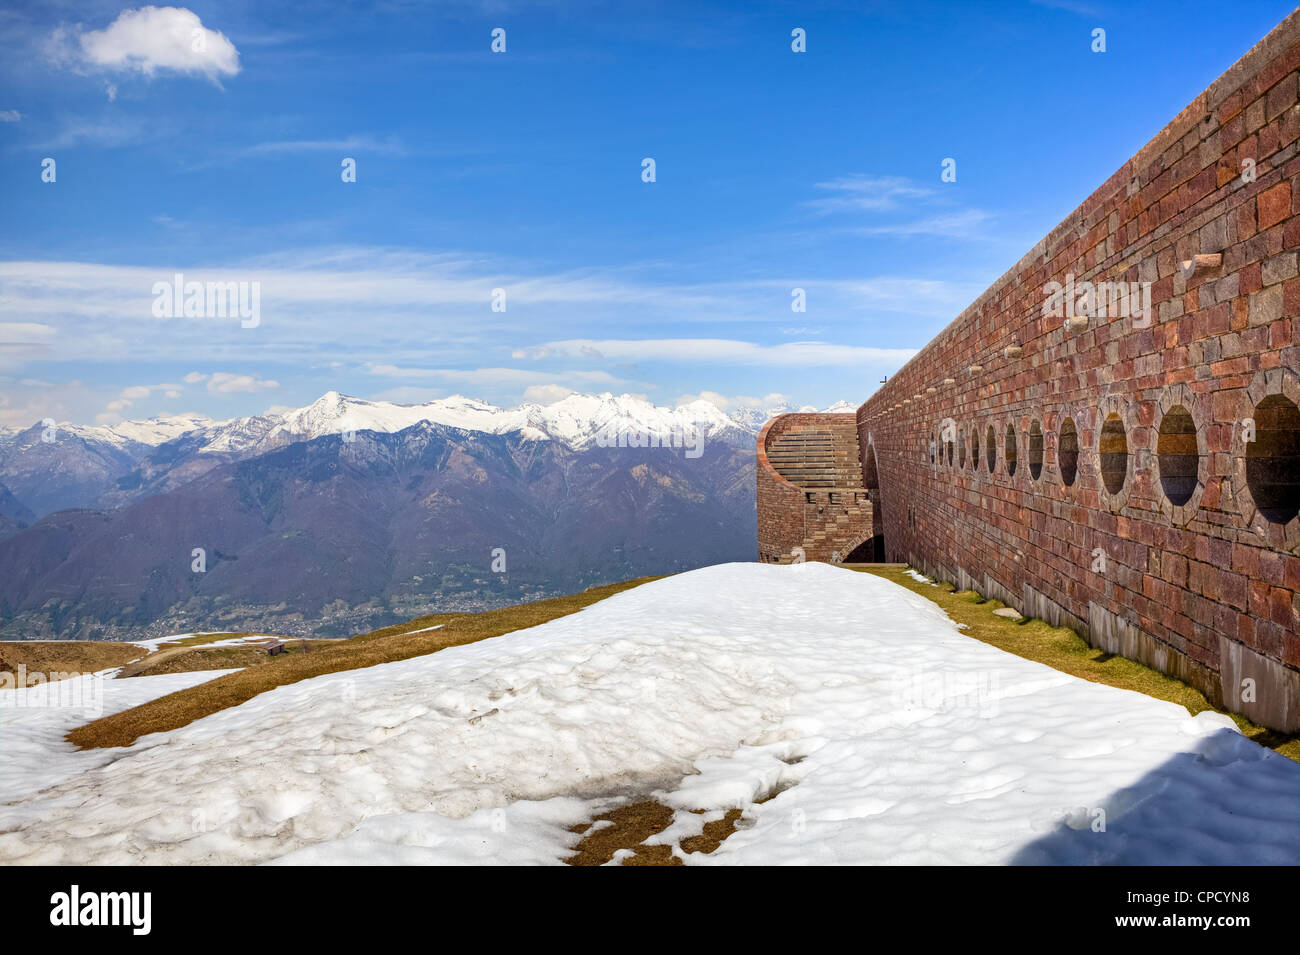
156, 431
127, 435
576, 420
362, 503
103, 466
753, 418
840, 407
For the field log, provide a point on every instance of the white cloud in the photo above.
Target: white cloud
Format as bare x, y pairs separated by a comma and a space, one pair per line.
736, 402
27, 401
547, 394
151, 40
10, 116
222, 381
25, 333
302, 292
717, 350
128, 396
502, 377
225, 382
353, 308
376, 278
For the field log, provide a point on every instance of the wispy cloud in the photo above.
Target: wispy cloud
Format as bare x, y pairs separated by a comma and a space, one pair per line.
497, 377
866, 192
391, 146
109, 132
717, 351
895, 206
965, 224
343, 315
26, 333
1070, 6
25, 401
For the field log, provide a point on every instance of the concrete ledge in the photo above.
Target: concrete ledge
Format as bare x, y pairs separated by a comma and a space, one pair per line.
1275, 688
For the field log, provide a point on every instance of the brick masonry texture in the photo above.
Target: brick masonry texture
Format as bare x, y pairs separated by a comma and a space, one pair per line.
810, 489
1205, 588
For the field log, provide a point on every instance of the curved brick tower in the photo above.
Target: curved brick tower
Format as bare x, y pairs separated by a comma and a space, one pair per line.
1131, 473
812, 499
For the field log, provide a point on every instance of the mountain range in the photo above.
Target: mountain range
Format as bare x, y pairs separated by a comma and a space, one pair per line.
349, 514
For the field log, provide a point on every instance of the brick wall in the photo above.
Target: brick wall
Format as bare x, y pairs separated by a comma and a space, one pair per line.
829, 512
1161, 553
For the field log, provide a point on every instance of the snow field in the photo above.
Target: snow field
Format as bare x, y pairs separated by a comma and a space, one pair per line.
846, 716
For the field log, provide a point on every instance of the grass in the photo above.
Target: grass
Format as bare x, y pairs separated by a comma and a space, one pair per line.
628, 827
386, 645
64, 658
188, 659
1064, 650
61, 659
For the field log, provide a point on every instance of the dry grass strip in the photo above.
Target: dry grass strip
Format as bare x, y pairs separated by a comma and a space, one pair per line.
60, 659
189, 659
630, 826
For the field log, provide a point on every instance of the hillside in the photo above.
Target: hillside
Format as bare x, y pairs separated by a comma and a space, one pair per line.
333, 535
350, 514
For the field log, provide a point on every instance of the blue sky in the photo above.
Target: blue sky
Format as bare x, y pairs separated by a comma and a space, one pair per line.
522, 170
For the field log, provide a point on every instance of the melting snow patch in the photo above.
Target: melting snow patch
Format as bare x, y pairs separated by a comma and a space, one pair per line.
845, 716
34, 721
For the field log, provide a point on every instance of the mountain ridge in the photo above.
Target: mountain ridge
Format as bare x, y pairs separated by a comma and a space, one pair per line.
51, 468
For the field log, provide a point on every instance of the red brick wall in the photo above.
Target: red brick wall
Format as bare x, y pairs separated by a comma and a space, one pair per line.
1206, 591
790, 516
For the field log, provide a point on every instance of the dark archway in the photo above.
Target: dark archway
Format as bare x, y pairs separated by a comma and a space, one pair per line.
1067, 451
868, 552
1113, 449
1178, 455
1273, 460
1035, 449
